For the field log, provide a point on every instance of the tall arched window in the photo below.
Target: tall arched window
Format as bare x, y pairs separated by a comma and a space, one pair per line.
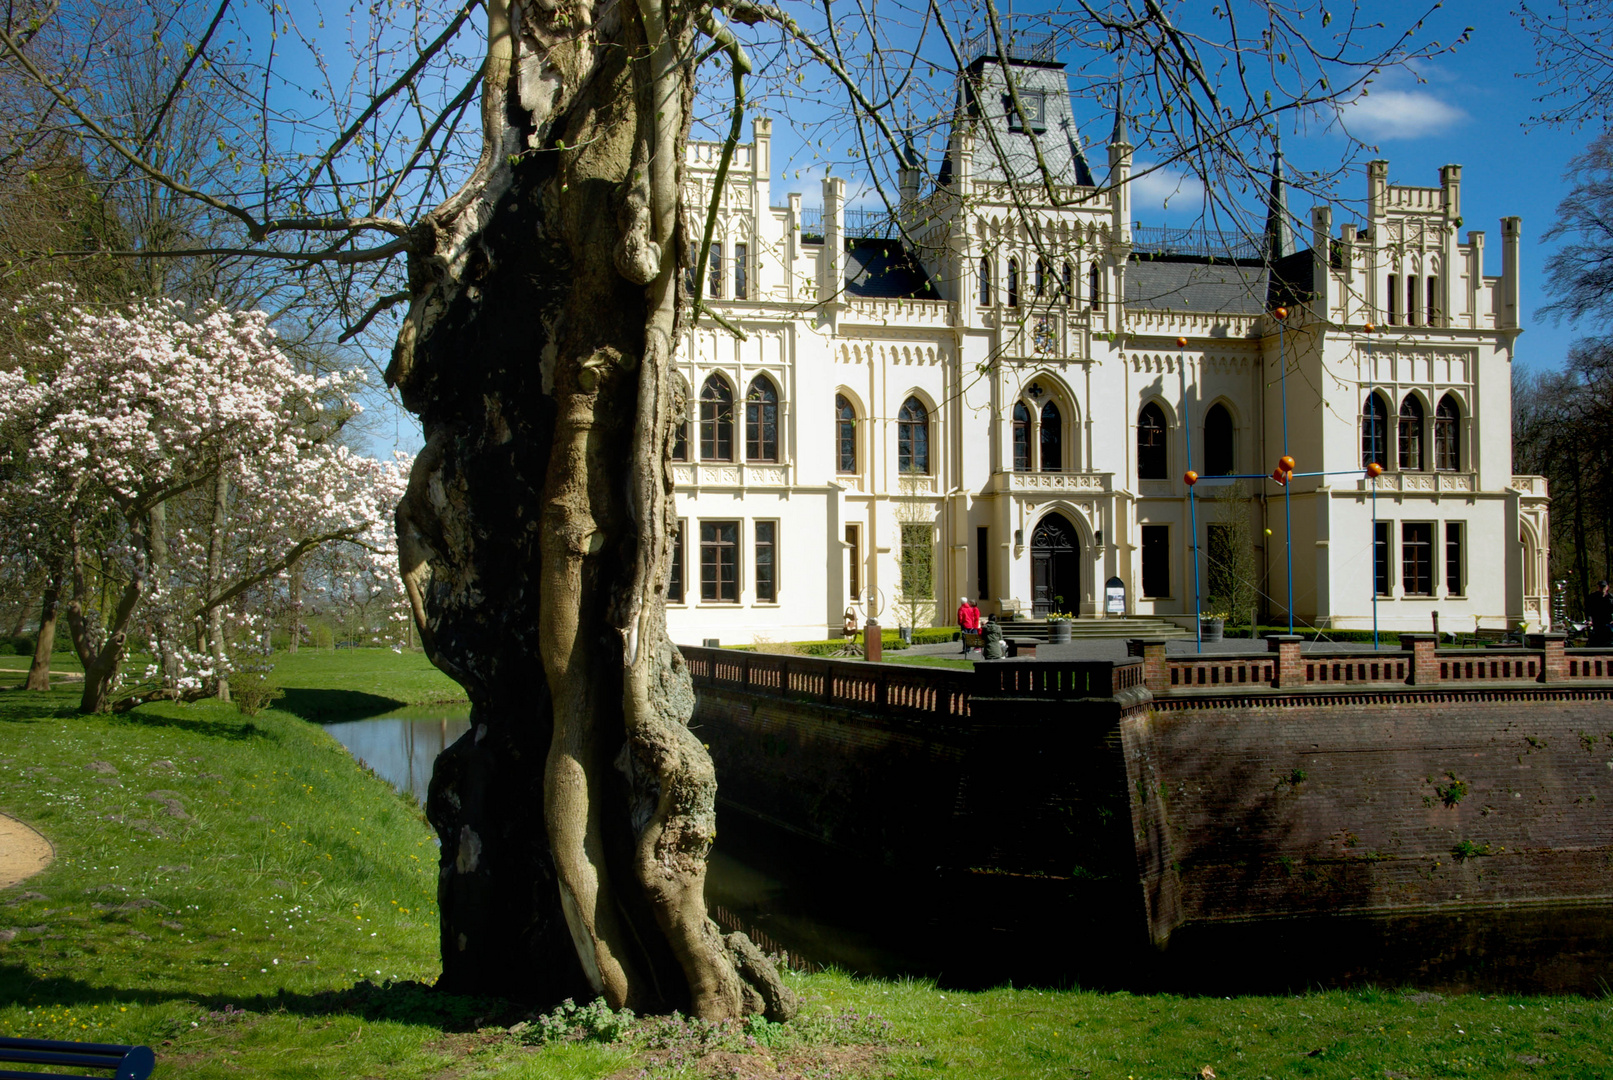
716, 420
1448, 435
680, 429
1375, 432
845, 435
761, 420
1151, 457
913, 437
1052, 439
1022, 437
1013, 282
1411, 434
1219, 455
985, 282
1041, 277
1094, 286
1069, 284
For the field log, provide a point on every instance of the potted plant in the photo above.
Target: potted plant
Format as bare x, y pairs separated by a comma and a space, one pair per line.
1058, 623
1212, 619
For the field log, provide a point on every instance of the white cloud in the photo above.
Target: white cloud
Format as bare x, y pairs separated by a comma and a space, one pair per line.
1399, 114
1155, 188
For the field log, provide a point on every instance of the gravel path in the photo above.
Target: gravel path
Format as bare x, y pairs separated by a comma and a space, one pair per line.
23, 852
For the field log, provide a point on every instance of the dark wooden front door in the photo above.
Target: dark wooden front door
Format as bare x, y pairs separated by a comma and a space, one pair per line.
1055, 567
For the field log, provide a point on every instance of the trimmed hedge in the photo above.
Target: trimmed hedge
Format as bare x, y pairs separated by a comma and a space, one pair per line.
890, 640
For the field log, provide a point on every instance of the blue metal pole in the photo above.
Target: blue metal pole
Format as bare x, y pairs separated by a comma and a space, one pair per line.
1192, 506
1374, 563
1288, 494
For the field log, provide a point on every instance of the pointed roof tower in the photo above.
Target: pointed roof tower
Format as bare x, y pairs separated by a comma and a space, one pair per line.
1122, 132
1279, 232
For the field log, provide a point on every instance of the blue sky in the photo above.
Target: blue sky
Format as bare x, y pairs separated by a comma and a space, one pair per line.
1470, 107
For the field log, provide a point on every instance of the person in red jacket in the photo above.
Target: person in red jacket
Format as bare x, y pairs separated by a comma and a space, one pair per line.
968, 620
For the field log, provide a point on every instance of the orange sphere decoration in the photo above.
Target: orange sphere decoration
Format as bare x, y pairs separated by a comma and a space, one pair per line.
1374, 469
1279, 475
1190, 478
1286, 462
1282, 313
1181, 343
1369, 328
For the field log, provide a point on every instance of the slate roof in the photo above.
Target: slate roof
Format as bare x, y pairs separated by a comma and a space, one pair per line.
885, 270
1060, 140
1225, 287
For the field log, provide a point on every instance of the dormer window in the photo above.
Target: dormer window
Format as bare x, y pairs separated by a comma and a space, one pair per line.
1034, 103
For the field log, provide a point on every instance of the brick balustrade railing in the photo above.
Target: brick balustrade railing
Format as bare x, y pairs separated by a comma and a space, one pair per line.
916, 693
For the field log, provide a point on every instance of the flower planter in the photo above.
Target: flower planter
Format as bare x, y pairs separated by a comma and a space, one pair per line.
1058, 631
1210, 629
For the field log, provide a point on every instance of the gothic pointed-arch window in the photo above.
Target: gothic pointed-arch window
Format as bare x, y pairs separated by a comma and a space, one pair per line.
1152, 461
1069, 284
1375, 432
1094, 286
845, 435
985, 282
1022, 437
1052, 439
761, 420
1013, 282
1041, 277
913, 438
716, 420
1219, 452
1448, 435
1411, 434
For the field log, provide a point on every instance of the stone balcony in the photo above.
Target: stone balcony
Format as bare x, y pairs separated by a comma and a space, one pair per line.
1052, 483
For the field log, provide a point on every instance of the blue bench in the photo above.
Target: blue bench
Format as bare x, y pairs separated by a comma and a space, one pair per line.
124, 1062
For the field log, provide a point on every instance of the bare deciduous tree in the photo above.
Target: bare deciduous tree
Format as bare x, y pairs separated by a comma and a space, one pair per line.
546, 298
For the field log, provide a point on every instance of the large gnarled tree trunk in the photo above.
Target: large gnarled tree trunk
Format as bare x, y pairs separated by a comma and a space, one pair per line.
577, 814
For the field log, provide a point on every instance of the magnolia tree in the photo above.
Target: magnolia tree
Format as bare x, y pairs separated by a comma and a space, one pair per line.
192, 463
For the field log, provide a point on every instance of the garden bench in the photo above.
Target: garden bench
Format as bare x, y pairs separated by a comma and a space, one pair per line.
124, 1062
973, 641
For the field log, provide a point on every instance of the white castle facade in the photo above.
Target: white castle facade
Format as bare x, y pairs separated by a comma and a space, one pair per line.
1016, 400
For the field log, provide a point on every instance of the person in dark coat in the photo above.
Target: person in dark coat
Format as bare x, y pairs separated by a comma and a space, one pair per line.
1599, 611
993, 647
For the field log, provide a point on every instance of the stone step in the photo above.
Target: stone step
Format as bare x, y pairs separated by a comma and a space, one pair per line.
1090, 629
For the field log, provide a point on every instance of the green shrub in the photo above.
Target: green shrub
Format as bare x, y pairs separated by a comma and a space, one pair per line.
570, 1022
252, 692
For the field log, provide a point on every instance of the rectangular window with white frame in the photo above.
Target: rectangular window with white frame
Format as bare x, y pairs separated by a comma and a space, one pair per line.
675, 586
1455, 580
719, 562
741, 271
764, 541
1417, 557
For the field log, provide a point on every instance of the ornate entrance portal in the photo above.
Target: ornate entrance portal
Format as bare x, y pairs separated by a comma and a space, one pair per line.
1055, 567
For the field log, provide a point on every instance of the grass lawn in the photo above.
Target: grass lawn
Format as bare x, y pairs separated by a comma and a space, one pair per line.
239, 894
325, 684
922, 660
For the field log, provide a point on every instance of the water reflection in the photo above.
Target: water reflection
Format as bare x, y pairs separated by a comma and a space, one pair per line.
402, 746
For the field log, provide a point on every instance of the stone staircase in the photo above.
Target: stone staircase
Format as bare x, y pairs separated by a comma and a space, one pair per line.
1096, 629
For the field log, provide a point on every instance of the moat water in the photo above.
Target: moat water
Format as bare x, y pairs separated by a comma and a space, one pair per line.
824, 908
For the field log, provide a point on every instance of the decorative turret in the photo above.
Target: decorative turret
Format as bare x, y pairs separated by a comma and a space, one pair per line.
1279, 235
910, 174
1120, 171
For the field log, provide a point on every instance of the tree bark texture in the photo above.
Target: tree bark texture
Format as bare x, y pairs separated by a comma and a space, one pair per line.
577, 813
45, 643
215, 581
